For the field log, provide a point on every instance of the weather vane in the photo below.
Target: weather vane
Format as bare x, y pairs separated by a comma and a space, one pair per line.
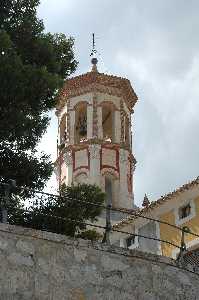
93, 54
94, 51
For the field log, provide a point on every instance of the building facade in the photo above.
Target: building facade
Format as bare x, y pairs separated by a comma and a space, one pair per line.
94, 113
179, 208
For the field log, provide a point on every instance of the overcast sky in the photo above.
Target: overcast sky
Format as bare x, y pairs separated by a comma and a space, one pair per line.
155, 44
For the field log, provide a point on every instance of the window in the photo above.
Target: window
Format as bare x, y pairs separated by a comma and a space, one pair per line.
184, 211
130, 241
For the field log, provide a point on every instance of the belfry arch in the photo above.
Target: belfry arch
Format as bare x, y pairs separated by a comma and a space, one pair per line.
80, 130
108, 121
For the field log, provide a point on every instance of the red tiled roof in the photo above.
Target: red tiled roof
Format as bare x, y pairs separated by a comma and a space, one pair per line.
158, 202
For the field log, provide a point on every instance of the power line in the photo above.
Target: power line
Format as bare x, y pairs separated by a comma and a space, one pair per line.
136, 215
104, 227
106, 208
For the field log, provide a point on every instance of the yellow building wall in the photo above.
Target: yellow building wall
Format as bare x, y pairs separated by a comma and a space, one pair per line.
173, 235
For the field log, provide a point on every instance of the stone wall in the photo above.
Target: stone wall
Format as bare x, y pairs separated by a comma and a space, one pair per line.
40, 265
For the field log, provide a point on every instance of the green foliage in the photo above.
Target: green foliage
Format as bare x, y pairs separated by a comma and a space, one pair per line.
65, 214
33, 65
90, 234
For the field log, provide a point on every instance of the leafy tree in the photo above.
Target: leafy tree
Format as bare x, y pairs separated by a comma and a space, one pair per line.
90, 234
33, 65
65, 214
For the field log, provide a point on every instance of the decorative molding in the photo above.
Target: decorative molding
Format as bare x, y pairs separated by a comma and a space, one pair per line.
95, 151
75, 168
110, 147
68, 159
123, 156
111, 172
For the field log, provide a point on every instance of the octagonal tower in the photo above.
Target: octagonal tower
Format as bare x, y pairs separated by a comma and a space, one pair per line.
94, 113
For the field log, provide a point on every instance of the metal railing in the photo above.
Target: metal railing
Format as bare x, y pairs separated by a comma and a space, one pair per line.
9, 190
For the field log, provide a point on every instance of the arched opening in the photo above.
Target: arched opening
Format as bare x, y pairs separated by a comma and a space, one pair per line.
81, 123
62, 129
108, 122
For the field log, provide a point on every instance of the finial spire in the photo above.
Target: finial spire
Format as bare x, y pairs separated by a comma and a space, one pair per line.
93, 54
146, 201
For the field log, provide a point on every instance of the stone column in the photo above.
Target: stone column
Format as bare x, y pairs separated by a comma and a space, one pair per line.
67, 131
99, 123
69, 167
72, 126
89, 121
117, 126
95, 176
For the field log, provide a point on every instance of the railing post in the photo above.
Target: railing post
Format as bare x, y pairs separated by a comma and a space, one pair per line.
183, 247
106, 238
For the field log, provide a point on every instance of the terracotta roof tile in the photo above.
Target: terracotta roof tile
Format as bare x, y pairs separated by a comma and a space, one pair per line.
94, 81
158, 202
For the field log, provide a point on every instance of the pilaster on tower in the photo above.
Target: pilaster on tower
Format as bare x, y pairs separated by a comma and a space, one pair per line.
94, 113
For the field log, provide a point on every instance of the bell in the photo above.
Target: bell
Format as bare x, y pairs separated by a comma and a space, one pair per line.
82, 127
82, 130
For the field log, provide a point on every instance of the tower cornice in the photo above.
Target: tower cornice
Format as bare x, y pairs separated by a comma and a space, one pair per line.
97, 82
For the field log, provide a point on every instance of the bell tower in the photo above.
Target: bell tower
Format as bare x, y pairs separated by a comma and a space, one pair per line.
94, 113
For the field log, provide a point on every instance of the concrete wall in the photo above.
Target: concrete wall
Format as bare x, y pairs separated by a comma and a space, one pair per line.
40, 265
148, 245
